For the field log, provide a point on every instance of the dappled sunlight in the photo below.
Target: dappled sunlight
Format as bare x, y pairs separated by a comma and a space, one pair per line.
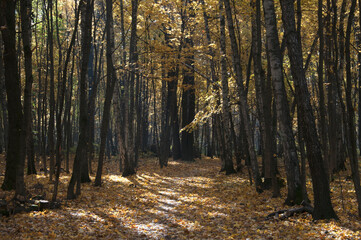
189, 201
117, 178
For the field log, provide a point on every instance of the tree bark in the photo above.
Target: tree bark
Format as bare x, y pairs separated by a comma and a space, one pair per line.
111, 80
51, 91
350, 111
25, 11
227, 151
188, 95
3, 100
62, 91
80, 157
323, 206
243, 97
129, 163
294, 195
14, 170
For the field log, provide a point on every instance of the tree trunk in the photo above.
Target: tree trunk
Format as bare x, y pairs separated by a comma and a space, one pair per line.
263, 94
62, 91
111, 80
165, 127
350, 111
51, 93
14, 170
227, 151
243, 97
129, 163
80, 158
3, 101
323, 206
294, 195
188, 95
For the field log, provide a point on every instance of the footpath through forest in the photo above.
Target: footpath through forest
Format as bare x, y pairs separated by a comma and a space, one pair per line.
181, 201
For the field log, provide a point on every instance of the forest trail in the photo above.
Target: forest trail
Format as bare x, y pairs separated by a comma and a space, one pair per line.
181, 201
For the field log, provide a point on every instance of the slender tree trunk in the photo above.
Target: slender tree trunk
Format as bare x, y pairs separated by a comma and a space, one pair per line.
62, 91
294, 195
165, 127
52, 92
129, 163
350, 111
111, 80
188, 94
243, 97
359, 80
227, 152
323, 126
263, 97
25, 10
80, 157
323, 206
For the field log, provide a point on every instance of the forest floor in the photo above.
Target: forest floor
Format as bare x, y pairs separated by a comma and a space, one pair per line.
181, 201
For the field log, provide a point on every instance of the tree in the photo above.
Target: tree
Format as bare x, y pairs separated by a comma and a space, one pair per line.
188, 93
294, 195
129, 162
81, 153
226, 154
111, 80
14, 171
243, 97
321, 190
350, 111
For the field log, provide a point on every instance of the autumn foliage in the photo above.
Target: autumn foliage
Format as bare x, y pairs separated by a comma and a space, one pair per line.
182, 201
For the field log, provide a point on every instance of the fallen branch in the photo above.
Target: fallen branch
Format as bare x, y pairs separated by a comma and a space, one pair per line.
286, 213
21, 204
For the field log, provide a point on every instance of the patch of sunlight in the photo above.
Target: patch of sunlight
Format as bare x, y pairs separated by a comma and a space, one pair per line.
82, 214
152, 229
173, 163
216, 214
169, 204
148, 177
64, 177
170, 193
117, 178
38, 176
200, 184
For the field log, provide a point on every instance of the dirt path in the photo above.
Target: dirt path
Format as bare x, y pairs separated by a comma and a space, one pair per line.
182, 201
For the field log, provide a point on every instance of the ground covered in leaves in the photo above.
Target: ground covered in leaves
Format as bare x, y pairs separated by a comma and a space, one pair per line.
182, 201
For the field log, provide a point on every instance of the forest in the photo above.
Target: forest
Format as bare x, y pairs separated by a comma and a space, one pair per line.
184, 119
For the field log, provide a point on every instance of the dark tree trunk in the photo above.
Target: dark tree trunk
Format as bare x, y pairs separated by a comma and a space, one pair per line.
59, 122
226, 149
263, 92
52, 92
323, 206
129, 161
350, 111
243, 97
165, 127
359, 79
79, 171
14, 170
188, 94
111, 80
25, 10
322, 123
3, 101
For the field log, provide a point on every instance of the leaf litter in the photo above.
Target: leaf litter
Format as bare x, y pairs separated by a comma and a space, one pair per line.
181, 201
